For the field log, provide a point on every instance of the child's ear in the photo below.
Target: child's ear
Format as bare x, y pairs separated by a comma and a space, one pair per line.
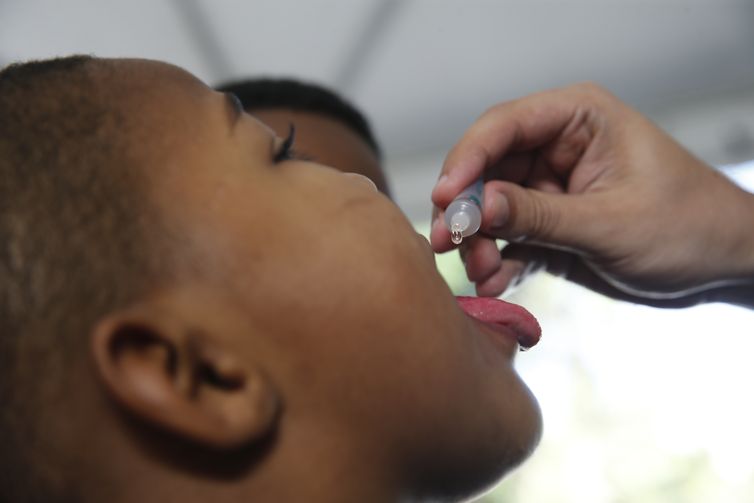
181, 377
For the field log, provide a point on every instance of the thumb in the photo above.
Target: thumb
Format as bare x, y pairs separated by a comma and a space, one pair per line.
517, 213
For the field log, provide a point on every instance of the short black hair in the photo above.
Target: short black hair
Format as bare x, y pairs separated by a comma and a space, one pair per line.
264, 93
75, 242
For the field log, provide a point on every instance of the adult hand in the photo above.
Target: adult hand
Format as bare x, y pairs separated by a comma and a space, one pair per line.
586, 187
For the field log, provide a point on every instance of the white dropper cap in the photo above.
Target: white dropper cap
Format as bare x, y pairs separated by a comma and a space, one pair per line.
463, 218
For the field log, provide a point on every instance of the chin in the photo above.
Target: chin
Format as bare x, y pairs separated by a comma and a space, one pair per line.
485, 478
481, 467
514, 446
469, 484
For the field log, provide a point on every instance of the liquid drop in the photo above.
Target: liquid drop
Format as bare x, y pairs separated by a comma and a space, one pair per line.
456, 236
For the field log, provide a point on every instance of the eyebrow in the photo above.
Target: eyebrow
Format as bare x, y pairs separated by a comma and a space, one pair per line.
234, 107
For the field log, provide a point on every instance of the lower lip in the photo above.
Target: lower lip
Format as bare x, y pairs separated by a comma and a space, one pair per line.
503, 337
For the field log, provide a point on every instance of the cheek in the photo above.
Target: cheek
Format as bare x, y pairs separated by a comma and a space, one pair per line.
364, 330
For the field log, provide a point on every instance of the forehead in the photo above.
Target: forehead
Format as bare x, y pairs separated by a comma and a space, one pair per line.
156, 92
164, 104
157, 73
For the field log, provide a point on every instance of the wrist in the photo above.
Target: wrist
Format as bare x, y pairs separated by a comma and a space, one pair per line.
734, 281
742, 256
748, 247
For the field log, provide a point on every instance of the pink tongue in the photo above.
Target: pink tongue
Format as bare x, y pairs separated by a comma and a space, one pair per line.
512, 316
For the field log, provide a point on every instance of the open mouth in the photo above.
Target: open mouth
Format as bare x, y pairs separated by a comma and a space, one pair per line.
511, 316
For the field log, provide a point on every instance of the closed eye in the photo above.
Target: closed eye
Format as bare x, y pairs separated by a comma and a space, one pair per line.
285, 152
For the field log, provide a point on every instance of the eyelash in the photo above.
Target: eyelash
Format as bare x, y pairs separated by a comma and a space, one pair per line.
286, 152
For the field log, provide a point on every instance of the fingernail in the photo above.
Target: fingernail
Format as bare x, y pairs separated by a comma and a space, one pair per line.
500, 210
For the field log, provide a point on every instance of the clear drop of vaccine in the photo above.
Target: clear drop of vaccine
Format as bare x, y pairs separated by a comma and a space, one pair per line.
456, 237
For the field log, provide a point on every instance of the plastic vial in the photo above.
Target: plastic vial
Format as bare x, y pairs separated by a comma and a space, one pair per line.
464, 215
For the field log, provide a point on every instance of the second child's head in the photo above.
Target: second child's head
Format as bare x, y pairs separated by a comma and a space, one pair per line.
190, 313
330, 130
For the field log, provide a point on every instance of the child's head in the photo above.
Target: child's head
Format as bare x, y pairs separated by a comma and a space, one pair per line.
187, 314
329, 130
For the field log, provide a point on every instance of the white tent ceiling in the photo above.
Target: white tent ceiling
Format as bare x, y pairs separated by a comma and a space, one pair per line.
423, 69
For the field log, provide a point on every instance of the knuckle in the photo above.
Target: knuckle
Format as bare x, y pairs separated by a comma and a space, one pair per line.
543, 219
494, 109
595, 92
584, 90
591, 87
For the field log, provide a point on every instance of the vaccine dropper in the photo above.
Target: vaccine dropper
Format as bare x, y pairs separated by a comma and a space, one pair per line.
464, 215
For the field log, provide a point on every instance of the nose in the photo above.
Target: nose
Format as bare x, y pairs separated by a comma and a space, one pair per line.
362, 179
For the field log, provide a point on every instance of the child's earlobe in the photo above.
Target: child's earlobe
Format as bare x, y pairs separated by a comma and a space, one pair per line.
182, 379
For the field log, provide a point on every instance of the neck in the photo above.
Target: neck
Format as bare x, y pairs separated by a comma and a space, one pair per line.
301, 464
315, 465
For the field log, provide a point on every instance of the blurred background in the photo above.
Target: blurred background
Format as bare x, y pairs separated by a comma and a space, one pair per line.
640, 404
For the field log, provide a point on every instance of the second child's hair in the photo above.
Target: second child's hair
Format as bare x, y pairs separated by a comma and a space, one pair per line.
266, 93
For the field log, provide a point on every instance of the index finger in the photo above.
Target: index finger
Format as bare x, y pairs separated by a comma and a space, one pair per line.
514, 126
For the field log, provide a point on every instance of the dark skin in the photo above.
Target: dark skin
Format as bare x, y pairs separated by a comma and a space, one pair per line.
327, 141
279, 362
